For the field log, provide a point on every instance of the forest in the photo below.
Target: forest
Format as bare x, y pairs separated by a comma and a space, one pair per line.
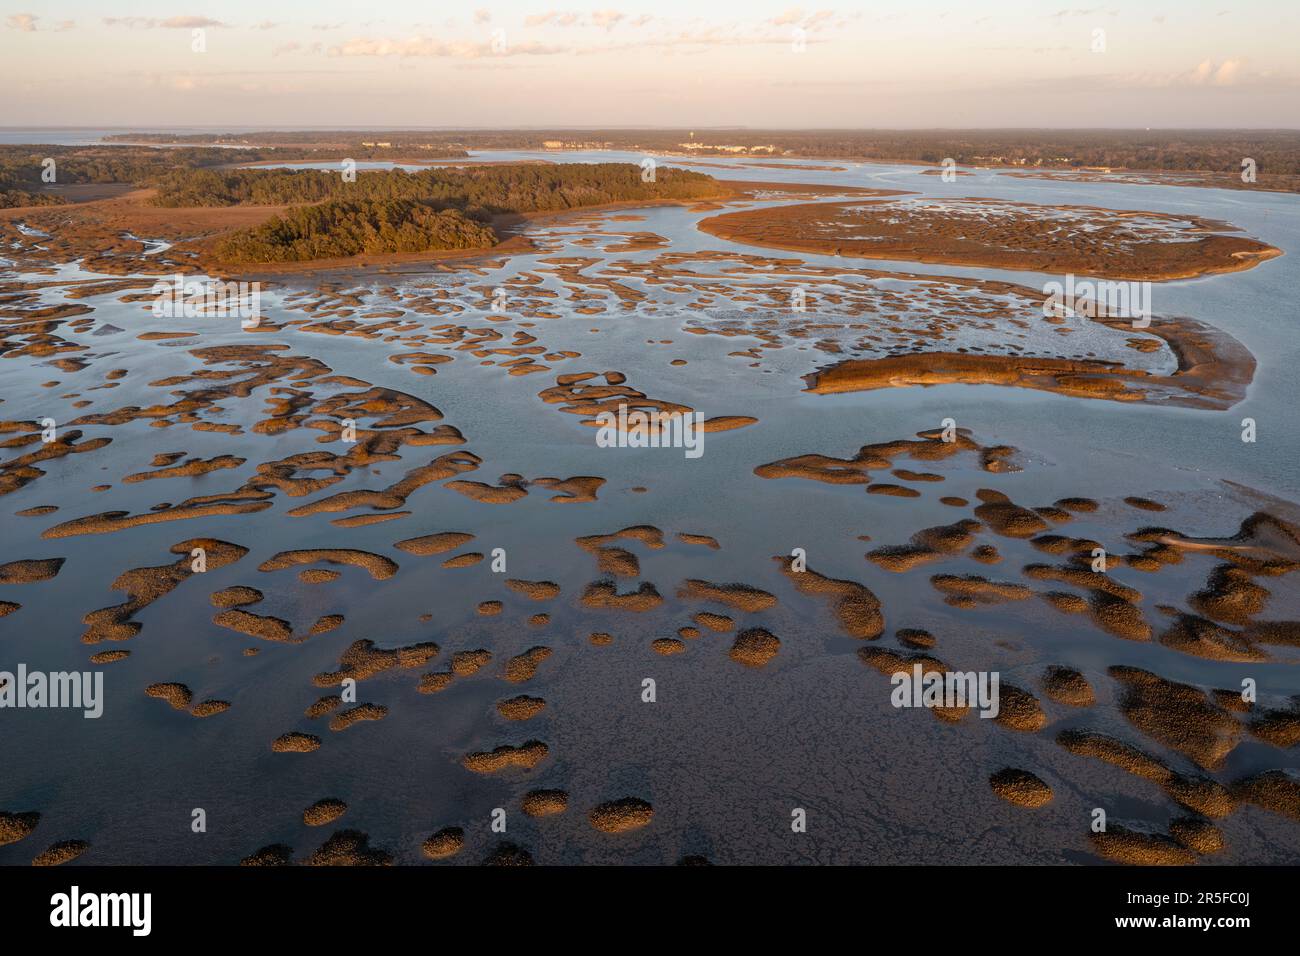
394, 211
21, 167
338, 228
199, 168
1217, 150
489, 189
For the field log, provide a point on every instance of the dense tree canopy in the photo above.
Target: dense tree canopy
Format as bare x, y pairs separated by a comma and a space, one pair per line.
21, 167
488, 189
395, 211
338, 228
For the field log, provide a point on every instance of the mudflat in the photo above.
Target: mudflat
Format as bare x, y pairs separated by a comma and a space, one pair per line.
362, 572
1116, 244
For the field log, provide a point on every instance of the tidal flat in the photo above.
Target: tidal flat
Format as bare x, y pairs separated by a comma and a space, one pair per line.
427, 592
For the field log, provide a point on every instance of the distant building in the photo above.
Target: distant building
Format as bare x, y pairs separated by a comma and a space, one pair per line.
727, 148
573, 144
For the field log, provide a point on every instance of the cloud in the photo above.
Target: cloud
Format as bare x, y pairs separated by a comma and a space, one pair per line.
25, 22
607, 19
555, 18
482, 16
189, 23
685, 42
170, 23
283, 48
428, 47
1227, 73
796, 16
265, 25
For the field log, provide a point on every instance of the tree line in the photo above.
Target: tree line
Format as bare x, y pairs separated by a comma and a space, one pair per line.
394, 211
1274, 151
338, 229
22, 168
490, 189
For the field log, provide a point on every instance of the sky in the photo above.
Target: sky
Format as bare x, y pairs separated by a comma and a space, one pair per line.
670, 63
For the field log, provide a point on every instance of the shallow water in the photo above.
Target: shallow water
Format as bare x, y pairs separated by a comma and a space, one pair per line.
726, 752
